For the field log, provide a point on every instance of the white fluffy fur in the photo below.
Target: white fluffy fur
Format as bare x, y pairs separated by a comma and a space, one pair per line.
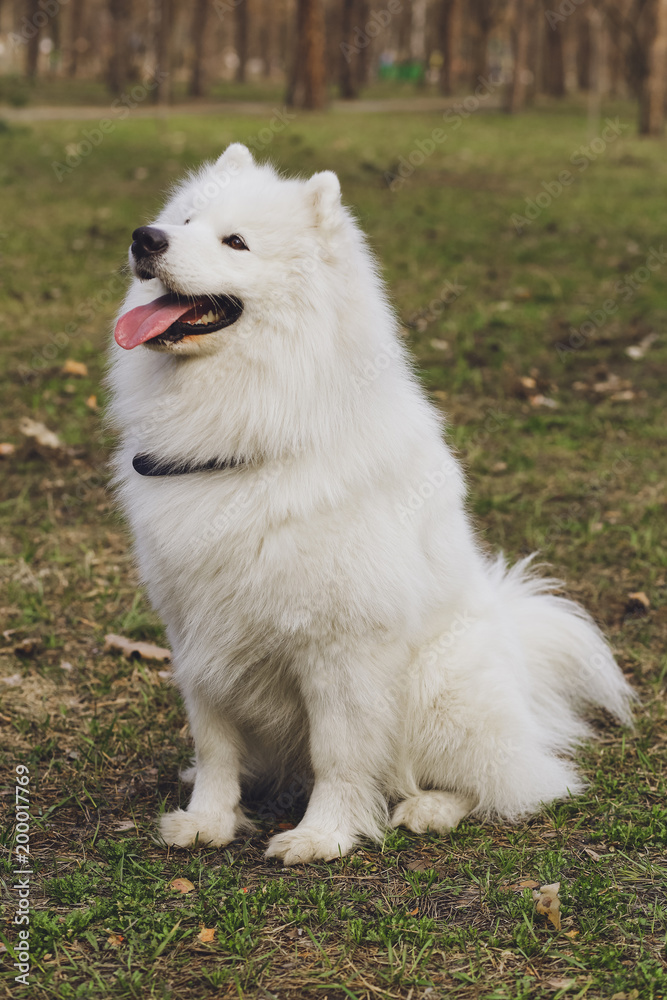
328, 606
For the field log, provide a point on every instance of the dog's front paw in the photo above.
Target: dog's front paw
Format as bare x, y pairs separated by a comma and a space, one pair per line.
182, 829
307, 843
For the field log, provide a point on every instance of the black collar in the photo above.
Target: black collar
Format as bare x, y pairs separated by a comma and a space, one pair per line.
149, 465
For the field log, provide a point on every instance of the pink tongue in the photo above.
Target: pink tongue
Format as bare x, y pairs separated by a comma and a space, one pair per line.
145, 322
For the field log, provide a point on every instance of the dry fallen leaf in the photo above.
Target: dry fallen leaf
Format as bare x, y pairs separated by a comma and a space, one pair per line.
6, 449
42, 435
541, 400
637, 351
125, 825
547, 903
181, 885
14, 681
115, 940
612, 383
639, 595
527, 883
592, 854
129, 648
206, 935
439, 345
91, 402
72, 367
419, 866
560, 984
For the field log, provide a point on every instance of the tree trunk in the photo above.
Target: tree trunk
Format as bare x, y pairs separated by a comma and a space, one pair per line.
616, 65
307, 84
349, 54
553, 81
241, 25
482, 14
162, 92
118, 71
266, 37
199, 21
32, 9
446, 43
418, 31
520, 35
652, 93
361, 74
75, 26
583, 53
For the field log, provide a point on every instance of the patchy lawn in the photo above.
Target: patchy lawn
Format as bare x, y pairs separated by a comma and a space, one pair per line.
536, 337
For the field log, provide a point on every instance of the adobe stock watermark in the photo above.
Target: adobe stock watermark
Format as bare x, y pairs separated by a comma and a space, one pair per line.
225, 7
243, 496
429, 655
453, 118
581, 158
377, 22
448, 294
21, 874
218, 179
121, 107
60, 341
373, 367
449, 472
625, 289
565, 10
590, 502
280, 120
29, 27
271, 810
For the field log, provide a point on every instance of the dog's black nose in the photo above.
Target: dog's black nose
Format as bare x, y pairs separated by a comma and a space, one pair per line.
147, 240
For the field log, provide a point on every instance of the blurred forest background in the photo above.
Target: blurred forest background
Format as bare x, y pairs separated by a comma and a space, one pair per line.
310, 51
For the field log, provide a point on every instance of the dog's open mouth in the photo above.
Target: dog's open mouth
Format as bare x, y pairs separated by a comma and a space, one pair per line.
171, 318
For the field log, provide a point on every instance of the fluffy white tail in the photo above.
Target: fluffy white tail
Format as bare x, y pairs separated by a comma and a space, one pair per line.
570, 662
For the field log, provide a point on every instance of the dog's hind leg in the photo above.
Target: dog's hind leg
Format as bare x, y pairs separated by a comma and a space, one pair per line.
214, 814
438, 812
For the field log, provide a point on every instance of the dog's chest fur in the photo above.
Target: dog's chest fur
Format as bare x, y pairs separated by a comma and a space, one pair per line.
233, 555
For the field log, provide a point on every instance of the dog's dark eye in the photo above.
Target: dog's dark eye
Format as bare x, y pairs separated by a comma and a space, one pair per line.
235, 242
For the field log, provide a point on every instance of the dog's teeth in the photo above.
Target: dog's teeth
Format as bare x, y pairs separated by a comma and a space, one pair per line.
209, 317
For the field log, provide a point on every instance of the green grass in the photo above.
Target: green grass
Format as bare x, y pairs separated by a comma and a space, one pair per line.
583, 481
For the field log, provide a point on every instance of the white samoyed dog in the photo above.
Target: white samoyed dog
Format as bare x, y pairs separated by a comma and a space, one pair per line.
301, 527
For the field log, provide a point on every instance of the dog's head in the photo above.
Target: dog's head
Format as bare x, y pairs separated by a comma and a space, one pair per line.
235, 243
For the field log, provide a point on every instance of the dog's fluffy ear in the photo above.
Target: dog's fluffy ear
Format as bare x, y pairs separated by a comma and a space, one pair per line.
236, 157
323, 193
